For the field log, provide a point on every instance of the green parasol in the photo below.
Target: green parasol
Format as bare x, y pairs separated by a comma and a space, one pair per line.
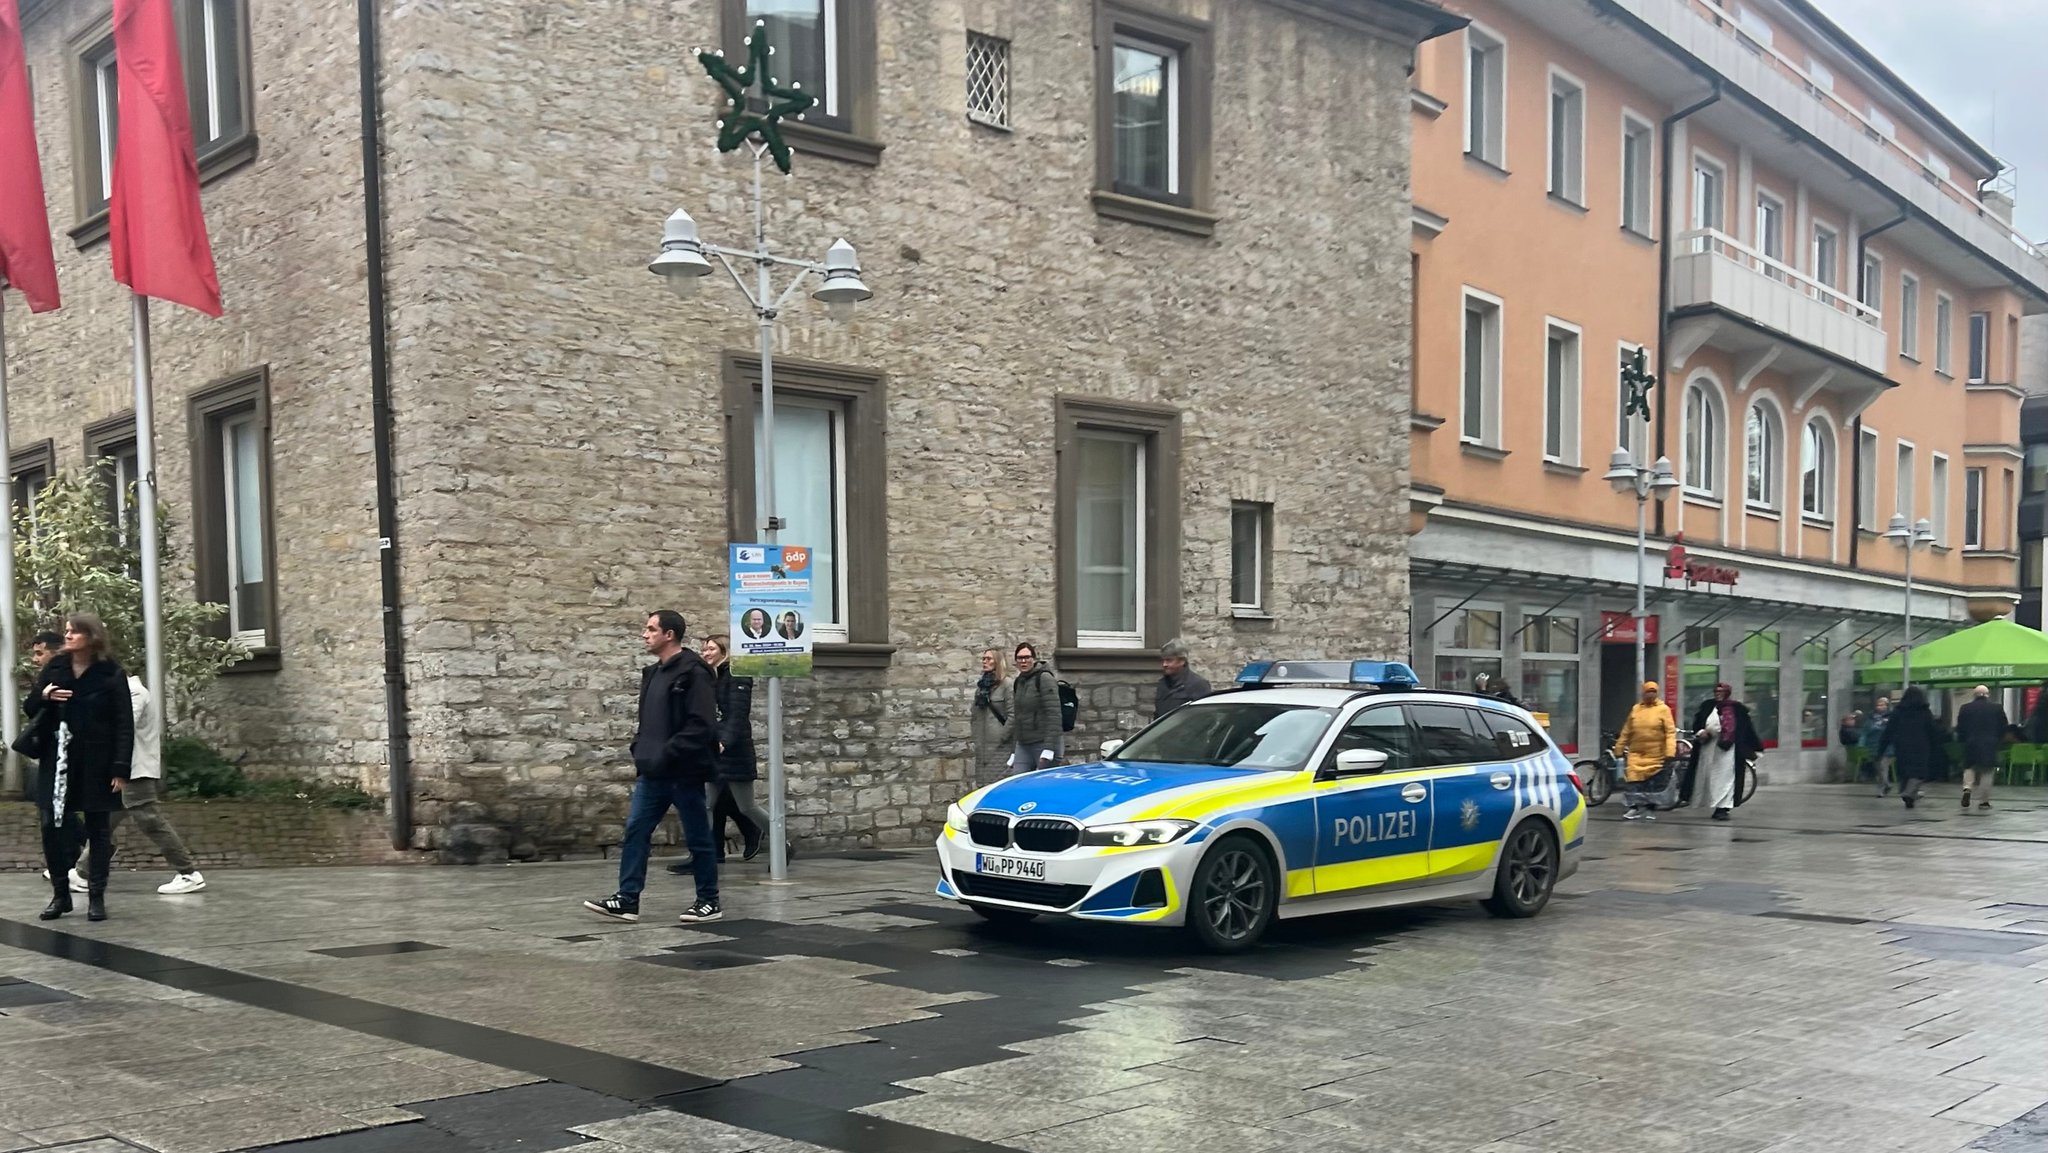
1995, 652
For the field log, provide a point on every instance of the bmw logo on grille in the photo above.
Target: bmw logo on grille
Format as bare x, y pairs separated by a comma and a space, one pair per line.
1027, 806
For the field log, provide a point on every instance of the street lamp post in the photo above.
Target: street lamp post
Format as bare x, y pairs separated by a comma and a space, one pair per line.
1656, 481
682, 264
1919, 536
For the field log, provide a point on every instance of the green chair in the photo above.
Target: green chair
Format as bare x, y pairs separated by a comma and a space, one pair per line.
1858, 757
2024, 764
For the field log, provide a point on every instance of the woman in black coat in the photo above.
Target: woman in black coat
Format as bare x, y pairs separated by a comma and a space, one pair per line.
1914, 739
81, 718
732, 794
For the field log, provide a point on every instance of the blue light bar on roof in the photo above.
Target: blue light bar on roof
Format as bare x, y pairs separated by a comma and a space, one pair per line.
1378, 674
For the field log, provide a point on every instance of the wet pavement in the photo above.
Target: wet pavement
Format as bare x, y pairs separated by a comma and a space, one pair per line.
1828, 972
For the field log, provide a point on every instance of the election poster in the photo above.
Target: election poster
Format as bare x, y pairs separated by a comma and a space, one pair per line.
771, 610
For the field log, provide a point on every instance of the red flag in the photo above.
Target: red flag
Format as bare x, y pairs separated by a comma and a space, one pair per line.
25, 260
157, 231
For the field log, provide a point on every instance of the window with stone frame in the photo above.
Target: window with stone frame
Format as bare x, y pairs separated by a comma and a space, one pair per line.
1118, 530
831, 492
215, 56
234, 535
29, 470
827, 48
1154, 83
1251, 556
110, 444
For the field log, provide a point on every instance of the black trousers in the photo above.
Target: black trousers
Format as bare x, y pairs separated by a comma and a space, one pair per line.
62, 844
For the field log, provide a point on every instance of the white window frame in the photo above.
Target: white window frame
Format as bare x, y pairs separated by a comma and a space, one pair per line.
1871, 291
1490, 381
1909, 315
1631, 432
995, 51
1571, 387
1704, 159
1778, 205
1646, 195
1492, 151
1944, 334
105, 102
1772, 459
1174, 81
1828, 471
1569, 185
1868, 440
231, 526
1084, 638
1831, 274
1882, 122
827, 626
1820, 74
1446, 628
1977, 478
1715, 459
1905, 480
1937, 496
1980, 348
1261, 554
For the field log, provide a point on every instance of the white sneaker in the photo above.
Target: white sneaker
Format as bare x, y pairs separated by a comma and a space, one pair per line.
78, 882
190, 882
1633, 814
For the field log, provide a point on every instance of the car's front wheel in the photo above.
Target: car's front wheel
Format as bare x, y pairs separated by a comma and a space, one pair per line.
1527, 873
1233, 895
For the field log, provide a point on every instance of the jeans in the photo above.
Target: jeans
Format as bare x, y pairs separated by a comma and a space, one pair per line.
738, 802
651, 801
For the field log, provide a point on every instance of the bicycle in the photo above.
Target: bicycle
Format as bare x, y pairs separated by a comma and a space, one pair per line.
1597, 776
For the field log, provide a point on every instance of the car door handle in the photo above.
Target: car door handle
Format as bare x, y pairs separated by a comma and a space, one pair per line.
1503, 780
1414, 792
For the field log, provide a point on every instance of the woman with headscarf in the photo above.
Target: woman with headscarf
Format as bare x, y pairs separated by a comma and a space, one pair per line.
1724, 744
1648, 739
1913, 738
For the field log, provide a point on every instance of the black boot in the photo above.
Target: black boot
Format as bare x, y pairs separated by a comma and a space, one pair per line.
96, 905
59, 904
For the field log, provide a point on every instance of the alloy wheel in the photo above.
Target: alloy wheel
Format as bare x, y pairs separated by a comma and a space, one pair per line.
1531, 865
1236, 894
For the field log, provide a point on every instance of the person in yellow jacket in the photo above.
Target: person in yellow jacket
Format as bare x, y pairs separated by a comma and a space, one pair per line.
1648, 740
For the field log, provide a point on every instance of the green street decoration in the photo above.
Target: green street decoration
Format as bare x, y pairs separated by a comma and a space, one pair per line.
1636, 383
740, 121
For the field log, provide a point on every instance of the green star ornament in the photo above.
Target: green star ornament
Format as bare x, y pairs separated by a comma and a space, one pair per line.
1637, 382
741, 122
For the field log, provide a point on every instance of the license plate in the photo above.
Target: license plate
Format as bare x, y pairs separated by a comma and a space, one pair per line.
1018, 867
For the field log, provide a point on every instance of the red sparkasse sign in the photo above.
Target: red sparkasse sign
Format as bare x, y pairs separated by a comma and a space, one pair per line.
1679, 565
1620, 628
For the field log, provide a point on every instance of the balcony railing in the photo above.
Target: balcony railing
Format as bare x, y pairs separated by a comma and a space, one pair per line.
1713, 269
1728, 24
1726, 247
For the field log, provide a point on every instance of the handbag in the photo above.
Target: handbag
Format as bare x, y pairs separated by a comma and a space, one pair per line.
33, 741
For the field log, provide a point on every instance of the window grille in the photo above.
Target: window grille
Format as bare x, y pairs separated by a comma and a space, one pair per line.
988, 80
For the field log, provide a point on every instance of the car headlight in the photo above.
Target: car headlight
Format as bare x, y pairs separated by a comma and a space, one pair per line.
956, 817
1136, 833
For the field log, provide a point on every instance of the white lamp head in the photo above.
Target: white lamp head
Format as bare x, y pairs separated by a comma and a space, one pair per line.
1923, 532
1897, 531
681, 262
1662, 478
1621, 470
842, 288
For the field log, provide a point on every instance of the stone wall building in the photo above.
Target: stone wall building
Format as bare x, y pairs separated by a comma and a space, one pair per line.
1140, 328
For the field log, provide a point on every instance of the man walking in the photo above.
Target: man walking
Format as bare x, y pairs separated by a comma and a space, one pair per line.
675, 754
1180, 684
1873, 741
1981, 727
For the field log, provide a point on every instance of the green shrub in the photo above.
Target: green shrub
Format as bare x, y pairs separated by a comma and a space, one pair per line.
194, 769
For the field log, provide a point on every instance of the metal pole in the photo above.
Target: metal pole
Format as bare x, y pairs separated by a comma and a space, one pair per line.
146, 497
1906, 657
1642, 576
778, 809
10, 705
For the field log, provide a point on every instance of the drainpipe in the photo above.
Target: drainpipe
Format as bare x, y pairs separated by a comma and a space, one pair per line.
1856, 426
1665, 133
398, 736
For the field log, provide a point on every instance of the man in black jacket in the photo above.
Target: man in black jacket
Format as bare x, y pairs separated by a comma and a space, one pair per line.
675, 754
1980, 725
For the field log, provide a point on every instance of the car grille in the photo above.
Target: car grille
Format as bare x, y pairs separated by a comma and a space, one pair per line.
1043, 835
990, 829
1022, 892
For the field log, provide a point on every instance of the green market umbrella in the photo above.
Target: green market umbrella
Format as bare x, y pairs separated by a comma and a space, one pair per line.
1995, 652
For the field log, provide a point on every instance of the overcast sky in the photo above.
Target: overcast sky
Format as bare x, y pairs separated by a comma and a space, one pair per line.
1984, 63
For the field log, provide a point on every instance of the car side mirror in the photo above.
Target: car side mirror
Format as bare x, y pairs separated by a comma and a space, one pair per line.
1361, 762
1110, 746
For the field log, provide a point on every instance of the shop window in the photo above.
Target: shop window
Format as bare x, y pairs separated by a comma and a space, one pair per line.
1468, 643
1760, 659
1815, 721
1702, 669
1550, 674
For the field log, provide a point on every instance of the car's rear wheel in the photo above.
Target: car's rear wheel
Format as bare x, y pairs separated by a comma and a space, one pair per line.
1527, 873
998, 916
1598, 781
1233, 895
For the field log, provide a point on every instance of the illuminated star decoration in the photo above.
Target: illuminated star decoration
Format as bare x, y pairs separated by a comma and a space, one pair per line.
1637, 381
740, 121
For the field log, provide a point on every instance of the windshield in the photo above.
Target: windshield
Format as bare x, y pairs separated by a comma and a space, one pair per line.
1247, 735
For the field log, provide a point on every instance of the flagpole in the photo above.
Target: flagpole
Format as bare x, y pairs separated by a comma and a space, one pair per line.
146, 499
10, 705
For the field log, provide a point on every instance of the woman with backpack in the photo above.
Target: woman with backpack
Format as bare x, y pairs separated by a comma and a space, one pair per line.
1035, 725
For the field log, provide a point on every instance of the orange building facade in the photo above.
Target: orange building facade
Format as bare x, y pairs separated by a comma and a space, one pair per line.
1819, 271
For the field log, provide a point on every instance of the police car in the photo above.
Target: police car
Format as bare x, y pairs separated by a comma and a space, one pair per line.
1312, 787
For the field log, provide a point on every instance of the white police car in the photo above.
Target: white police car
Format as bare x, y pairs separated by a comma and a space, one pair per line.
1314, 787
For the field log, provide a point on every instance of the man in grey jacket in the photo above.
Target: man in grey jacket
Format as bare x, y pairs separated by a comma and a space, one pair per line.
1180, 684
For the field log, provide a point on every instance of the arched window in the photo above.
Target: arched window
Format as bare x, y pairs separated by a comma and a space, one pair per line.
1766, 471
1702, 441
1817, 470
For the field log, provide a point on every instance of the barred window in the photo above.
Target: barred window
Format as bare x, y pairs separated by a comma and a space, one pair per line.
988, 80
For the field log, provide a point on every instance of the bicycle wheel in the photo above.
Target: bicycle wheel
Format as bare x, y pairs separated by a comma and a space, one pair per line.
1598, 781
1748, 784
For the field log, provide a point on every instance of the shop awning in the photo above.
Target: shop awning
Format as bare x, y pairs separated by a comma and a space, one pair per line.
1995, 652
